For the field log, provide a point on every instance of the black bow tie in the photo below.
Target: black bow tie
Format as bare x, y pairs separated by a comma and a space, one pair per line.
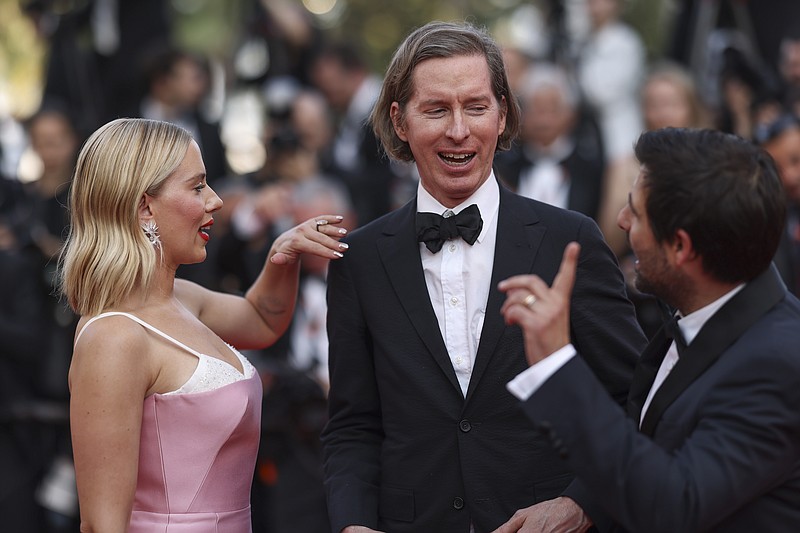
434, 229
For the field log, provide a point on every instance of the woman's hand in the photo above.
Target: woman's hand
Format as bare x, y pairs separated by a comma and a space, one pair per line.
319, 236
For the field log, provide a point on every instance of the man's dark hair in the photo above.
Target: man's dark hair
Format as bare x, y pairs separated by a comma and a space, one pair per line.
722, 190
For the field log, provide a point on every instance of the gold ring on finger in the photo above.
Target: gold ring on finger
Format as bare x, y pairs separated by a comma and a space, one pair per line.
529, 301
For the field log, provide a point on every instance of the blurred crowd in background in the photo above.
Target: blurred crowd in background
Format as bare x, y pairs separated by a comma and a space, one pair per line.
281, 125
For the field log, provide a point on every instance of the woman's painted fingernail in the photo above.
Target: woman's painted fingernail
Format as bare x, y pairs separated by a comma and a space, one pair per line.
338, 254
342, 231
344, 245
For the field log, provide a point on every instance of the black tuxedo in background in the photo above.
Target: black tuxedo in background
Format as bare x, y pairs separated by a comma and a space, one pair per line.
211, 147
584, 167
719, 447
372, 181
404, 450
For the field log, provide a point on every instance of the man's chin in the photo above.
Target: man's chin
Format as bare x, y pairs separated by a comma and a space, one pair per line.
642, 285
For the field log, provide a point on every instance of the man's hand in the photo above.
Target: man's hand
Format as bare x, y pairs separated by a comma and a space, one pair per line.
561, 515
541, 311
359, 529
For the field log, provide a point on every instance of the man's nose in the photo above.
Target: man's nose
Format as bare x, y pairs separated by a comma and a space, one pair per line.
623, 220
458, 129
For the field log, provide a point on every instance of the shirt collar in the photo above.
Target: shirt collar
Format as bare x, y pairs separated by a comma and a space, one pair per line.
692, 323
487, 197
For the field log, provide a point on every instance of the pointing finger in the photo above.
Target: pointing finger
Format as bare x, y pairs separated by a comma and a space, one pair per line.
565, 279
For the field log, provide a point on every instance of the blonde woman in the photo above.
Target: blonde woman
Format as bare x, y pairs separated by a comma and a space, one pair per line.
164, 410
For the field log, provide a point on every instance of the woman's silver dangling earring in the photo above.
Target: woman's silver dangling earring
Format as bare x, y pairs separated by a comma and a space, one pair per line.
151, 232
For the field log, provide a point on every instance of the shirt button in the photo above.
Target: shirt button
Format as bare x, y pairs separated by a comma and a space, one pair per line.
453, 301
458, 503
465, 426
458, 360
452, 247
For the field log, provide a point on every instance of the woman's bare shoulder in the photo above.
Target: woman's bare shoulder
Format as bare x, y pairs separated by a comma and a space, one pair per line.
113, 347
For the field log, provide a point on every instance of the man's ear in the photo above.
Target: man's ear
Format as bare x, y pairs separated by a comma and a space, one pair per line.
683, 248
397, 121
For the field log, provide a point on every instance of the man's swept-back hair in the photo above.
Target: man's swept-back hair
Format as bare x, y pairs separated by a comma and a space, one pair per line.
724, 191
439, 40
107, 255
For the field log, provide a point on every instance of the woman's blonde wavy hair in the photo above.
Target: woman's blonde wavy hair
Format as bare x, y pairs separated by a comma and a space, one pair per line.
107, 255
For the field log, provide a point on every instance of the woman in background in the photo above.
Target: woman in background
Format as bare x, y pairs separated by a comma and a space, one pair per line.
668, 98
164, 409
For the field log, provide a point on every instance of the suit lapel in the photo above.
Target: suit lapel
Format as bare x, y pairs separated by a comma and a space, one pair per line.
721, 330
399, 251
645, 373
517, 243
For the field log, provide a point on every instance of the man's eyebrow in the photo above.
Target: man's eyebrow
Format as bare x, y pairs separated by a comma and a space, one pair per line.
443, 101
431, 102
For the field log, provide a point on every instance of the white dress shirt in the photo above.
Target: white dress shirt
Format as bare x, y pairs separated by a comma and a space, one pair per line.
546, 180
309, 339
458, 278
528, 381
347, 143
690, 326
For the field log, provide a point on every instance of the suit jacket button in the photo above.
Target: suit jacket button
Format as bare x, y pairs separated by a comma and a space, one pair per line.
465, 426
458, 503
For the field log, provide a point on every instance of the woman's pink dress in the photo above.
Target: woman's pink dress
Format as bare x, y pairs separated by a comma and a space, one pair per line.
197, 452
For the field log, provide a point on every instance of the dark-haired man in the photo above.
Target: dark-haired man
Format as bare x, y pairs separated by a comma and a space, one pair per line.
711, 440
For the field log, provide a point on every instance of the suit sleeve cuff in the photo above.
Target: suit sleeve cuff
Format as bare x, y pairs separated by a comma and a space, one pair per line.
527, 382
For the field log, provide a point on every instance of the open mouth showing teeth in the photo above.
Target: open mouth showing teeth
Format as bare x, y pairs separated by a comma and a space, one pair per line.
456, 159
203, 231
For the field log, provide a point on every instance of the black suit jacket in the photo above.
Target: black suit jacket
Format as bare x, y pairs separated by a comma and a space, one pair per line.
719, 447
405, 451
